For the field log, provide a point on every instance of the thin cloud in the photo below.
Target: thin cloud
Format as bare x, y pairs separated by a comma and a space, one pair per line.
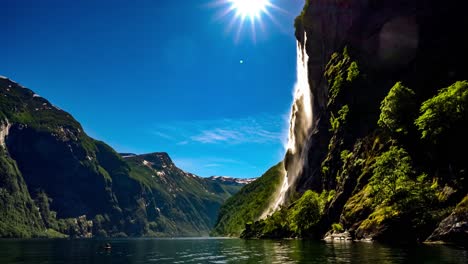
219, 135
181, 143
262, 129
162, 135
210, 163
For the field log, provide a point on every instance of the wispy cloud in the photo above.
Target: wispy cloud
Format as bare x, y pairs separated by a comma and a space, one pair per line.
250, 130
162, 135
209, 165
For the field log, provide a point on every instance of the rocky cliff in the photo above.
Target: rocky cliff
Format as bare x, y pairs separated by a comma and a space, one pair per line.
415, 43
418, 43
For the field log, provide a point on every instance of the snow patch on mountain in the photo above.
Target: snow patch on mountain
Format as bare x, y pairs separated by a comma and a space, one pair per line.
227, 179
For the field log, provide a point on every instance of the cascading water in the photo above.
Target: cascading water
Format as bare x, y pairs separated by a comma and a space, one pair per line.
300, 127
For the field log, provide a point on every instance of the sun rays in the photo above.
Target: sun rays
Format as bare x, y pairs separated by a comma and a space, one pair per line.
245, 13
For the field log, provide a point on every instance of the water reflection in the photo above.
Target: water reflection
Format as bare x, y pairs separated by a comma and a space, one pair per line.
208, 250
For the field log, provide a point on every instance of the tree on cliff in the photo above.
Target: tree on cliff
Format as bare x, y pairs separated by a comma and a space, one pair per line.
397, 110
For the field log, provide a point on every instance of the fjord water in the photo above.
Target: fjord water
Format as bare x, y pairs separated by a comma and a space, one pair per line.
216, 250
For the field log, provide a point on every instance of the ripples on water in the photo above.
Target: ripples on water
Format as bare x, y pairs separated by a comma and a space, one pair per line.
211, 250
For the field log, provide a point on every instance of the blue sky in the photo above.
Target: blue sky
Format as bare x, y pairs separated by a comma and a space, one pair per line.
161, 75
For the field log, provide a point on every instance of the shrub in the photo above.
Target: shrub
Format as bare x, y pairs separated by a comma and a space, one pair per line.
338, 228
339, 120
305, 213
353, 72
396, 109
341, 72
391, 173
447, 111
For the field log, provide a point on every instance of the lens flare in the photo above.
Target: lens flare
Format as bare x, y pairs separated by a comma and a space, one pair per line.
249, 8
241, 12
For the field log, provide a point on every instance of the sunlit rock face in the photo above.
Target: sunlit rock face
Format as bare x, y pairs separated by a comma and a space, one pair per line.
402, 40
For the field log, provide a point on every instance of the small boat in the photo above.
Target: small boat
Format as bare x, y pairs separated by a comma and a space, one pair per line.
107, 246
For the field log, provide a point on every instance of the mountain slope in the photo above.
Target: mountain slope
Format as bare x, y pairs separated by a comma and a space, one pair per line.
249, 203
185, 203
54, 177
52, 156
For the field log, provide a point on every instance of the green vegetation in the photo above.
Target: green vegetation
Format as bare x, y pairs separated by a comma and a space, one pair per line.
462, 207
337, 227
299, 21
23, 106
343, 76
392, 172
249, 203
18, 214
353, 72
445, 113
395, 193
305, 213
339, 120
341, 72
51, 233
297, 220
443, 129
397, 109
394, 183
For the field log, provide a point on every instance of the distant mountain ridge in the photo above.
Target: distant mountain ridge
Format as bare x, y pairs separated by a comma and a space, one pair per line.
57, 181
221, 179
230, 180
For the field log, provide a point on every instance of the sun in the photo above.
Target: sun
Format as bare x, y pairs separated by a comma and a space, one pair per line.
250, 8
243, 12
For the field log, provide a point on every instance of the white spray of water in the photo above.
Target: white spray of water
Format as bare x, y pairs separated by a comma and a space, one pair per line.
300, 127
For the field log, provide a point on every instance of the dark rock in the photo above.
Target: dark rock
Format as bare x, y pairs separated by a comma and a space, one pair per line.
454, 228
417, 42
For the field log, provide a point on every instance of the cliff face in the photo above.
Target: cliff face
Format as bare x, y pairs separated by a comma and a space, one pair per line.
417, 43
74, 178
390, 102
53, 177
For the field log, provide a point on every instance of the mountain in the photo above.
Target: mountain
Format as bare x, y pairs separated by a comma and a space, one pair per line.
57, 181
232, 181
248, 204
389, 98
181, 202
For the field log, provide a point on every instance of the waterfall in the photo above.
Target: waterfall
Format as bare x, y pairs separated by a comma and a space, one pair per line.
300, 127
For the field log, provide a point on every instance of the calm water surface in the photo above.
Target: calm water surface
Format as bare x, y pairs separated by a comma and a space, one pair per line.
210, 250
